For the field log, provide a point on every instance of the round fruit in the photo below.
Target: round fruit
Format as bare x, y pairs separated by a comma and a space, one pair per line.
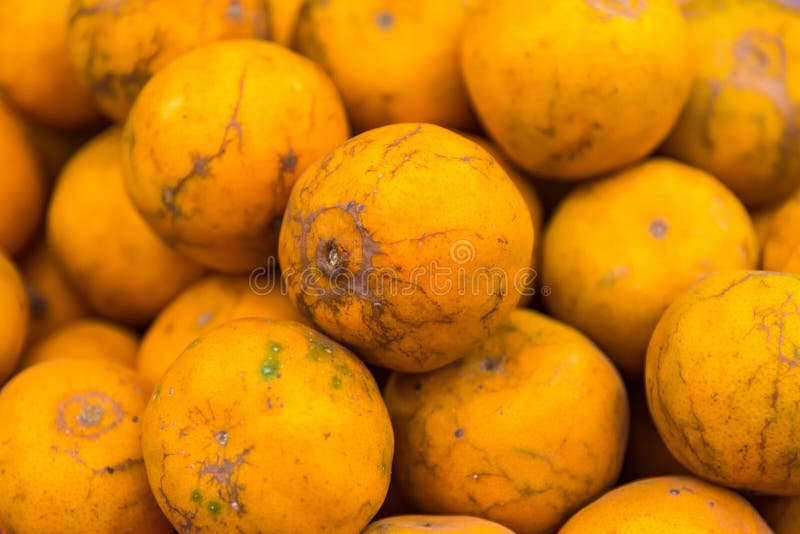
107, 251
216, 140
667, 504
86, 339
616, 252
71, 456
742, 121
284, 19
14, 312
414, 44
203, 306
782, 242
575, 88
722, 383
420, 524
117, 46
465, 438
406, 243
762, 223
261, 411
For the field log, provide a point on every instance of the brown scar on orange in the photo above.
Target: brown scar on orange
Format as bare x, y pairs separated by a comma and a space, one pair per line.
94, 409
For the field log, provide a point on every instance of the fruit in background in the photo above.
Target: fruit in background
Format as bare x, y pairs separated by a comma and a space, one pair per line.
22, 188
782, 241
576, 88
14, 310
86, 339
523, 431
412, 524
54, 147
53, 300
284, 19
215, 142
202, 307
617, 251
117, 46
781, 513
260, 411
71, 433
667, 504
393, 60
762, 222
107, 251
721, 381
35, 73
742, 120
406, 243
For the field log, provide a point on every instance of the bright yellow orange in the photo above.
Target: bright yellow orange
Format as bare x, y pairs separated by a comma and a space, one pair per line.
260, 411
14, 311
420, 524
393, 60
782, 241
117, 46
406, 243
616, 252
575, 88
678, 505
215, 143
722, 383
202, 307
106, 249
523, 430
71, 459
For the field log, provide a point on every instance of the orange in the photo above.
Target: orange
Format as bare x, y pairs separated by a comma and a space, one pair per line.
523, 430
71, 459
267, 424
616, 252
215, 143
762, 223
678, 505
782, 513
406, 243
14, 310
782, 240
575, 88
413, 524
284, 18
722, 383
115, 261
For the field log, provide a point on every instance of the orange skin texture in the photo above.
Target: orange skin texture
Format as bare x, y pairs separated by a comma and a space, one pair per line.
116, 262
261, 411
393, 60
22, 188
616, 252
71, 459
217, 139
379, 234
53, 300
782, 242
86, 339
284, 19
420, 524
117, 45
736, 428
202, 307
464, 439
742, 120
781, 513
678, 505
610, 79
14, 310
35, 72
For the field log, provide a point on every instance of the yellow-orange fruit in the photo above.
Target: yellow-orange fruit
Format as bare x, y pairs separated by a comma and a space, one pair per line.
54, 147
86, 339
71, 459
22, 188
722, 383
260, 411
781, 513
575, 88
616, 252
762, 223
742, 120
284, 18
678, 505
216, 140
35, 72
14, 311
782, 241
393, 60
106, 249
406, 243
420, 524
465, 434
116, 46
203, 306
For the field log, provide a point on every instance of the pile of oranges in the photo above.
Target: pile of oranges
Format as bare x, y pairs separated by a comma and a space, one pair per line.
344, 266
